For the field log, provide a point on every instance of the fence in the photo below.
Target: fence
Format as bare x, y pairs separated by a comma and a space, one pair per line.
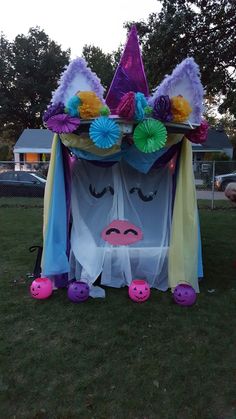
28, 180
211, 179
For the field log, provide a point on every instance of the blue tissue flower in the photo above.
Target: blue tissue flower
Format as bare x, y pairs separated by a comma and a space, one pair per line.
72, 106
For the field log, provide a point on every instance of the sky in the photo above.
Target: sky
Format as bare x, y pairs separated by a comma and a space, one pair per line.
72, 24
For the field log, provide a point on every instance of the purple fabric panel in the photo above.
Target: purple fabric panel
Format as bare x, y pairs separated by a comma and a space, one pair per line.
60, 281
67, 176
165, 158
175, 174
173, 151
130, 74
101, 163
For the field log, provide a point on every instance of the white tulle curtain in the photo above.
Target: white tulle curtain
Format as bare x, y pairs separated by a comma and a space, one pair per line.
101, 195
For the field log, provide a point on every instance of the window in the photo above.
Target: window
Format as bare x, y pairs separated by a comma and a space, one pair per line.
26, 177
10, 176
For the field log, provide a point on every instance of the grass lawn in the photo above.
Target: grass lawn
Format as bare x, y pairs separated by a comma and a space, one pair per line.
113, 358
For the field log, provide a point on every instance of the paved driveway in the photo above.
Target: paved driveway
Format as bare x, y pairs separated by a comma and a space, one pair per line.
208, 195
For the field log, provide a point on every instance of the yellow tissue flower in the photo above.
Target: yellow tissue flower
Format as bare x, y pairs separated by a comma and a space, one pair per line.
91, 105
180, 108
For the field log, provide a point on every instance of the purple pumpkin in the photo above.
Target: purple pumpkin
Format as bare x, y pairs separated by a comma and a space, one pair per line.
78, 292
184, 295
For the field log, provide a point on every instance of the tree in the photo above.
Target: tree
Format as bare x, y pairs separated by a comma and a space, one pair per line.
204, 29
30, 68
99, 62
104, 65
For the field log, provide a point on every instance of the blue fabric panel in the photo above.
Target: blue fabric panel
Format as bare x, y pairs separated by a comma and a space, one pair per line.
89, 156
56, 260
200, 265
135, 158
142, 161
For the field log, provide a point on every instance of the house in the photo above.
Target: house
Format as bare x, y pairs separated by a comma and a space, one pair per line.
217, 142
33, 146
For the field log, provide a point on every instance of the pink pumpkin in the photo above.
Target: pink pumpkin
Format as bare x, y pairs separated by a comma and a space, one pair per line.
41, 288
139, 290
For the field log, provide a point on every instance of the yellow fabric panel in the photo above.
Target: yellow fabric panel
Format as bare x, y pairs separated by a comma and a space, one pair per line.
32, 157
83, 142
183, 252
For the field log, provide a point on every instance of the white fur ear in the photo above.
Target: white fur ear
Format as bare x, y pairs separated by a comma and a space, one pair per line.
185, 81
77, 76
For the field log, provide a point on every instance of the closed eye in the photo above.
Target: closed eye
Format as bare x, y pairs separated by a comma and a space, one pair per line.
144, 198
100, 194
112, 230
131, 230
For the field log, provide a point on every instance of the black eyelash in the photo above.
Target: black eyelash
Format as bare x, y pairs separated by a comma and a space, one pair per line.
144, 198
131, 230
112, 230
100, 194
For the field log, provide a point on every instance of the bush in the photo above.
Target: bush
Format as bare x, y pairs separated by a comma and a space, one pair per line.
216, 157
5, 153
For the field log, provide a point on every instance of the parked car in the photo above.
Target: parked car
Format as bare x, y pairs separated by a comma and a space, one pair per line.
19, 183
222, 181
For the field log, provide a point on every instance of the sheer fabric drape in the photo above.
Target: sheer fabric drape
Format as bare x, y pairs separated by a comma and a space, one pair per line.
102, 195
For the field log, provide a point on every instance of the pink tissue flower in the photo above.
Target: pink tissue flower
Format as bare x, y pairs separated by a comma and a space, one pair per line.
126, 107
198, 135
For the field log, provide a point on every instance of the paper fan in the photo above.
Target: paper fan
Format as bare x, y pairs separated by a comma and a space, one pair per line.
150, 135
104, 132
62, 123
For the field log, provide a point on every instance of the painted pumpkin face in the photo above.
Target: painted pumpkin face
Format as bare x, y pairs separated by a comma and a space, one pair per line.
41, 288
78, 292
139, 290
184, 295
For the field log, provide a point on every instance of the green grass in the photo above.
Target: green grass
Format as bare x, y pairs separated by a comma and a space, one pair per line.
218, 204
18, 202
113, 358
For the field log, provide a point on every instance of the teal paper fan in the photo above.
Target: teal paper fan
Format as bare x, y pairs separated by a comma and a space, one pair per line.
104, 132
150, 135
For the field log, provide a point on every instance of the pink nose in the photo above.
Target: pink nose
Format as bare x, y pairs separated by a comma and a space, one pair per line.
121, 233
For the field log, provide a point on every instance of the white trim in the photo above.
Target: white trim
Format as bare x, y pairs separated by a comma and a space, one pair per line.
32, 150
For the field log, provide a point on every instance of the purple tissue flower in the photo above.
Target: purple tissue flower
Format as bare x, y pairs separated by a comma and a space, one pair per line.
162, 108
62, 123
53, 110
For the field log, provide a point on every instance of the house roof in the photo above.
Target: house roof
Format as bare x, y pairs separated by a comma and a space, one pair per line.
34, 141
217, 140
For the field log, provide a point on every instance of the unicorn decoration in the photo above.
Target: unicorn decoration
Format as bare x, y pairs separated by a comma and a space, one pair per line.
120, 199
